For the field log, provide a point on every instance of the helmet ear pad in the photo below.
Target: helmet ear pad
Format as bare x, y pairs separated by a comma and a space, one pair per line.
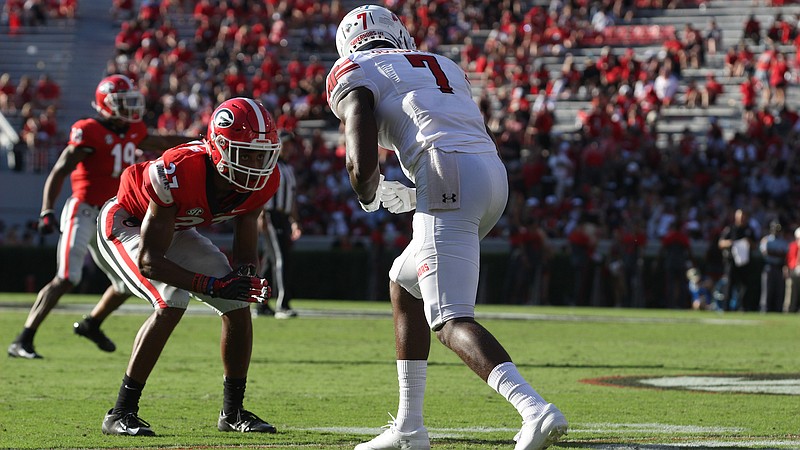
243, 143
367, 24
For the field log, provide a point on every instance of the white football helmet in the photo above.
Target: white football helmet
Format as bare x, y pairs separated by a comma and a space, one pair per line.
370, 24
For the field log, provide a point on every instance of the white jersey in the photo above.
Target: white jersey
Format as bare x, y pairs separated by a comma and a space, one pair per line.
422, 101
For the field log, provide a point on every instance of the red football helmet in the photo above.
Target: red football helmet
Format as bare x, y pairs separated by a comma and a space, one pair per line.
239, 127
116, 97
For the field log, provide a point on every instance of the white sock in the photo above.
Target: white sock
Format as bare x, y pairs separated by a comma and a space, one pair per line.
508, 382
411, 375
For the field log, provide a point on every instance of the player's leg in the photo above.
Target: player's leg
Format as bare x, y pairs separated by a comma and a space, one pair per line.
114, 296
89, 327
276, 246
412, 347
449, 287
197, 253
77, 231
123, 418
268, 265
283, 238
236, 345
118, 242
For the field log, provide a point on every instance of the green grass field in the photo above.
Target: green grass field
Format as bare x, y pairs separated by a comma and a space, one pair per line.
327, 379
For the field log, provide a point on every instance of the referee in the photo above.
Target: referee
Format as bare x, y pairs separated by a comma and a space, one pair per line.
279, 224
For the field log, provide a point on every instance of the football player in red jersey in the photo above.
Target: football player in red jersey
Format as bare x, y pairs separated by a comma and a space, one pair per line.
147, 235
99, 149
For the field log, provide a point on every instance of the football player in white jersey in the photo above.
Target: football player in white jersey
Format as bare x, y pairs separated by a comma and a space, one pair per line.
420, 106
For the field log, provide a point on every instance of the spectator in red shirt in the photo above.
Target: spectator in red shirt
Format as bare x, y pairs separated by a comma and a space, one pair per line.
675, 256
25, 91
287, 120
582, 243
779, 75
235, 80
632, 242
748, 91
48, 124
47, 91
752, 29
732, 66
711, 91
7, 93
121, 9
204, 9
262, 85
792, 292
542, 126
128, 38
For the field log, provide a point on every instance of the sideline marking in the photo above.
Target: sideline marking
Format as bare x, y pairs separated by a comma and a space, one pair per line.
131, 308
674, 432
759, 383
580, 428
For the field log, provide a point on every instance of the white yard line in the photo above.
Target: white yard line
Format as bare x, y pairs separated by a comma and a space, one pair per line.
609, 430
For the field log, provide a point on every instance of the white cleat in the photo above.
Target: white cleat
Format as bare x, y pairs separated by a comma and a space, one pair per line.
393, 438
543, 432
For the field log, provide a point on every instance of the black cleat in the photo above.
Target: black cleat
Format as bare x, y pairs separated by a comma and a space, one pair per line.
126, 424
25, 351
263, 309
243, 421
94, 334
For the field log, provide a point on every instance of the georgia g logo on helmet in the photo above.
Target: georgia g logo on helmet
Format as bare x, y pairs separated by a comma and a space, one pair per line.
223, 118
106, 87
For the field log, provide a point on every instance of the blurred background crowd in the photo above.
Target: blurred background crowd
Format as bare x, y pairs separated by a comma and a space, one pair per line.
605, 185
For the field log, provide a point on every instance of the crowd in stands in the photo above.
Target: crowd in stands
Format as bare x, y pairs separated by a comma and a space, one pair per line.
33, 101
616, 178
34, 104
30, 13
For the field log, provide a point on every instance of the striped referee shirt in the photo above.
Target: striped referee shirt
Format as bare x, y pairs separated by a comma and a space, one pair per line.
283, 200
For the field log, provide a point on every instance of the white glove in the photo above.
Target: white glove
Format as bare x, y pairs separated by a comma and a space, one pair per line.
376, 202
398, 198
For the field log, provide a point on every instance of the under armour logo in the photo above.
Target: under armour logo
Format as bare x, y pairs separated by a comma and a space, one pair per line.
451, 197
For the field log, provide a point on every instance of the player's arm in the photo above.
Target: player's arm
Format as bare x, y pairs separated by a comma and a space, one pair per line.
725, 241
158, 228
294, 221
66, 163
357, 113
245, 238
157, 143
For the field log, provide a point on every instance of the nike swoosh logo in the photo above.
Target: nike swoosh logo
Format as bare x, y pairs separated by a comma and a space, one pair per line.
133, 431
237, 211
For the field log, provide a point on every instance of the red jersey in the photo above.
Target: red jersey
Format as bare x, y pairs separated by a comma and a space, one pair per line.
181, 178
96, 178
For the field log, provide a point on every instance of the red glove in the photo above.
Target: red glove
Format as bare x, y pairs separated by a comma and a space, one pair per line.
240, 284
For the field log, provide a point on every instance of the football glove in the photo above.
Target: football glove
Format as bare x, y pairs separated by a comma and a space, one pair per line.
240, 284
48, 224
398, 198
376, 202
